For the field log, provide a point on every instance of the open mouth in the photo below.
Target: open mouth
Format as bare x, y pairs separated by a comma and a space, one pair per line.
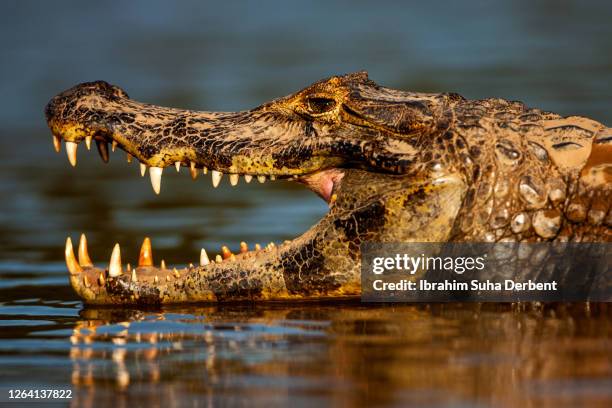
312, 137
324, 183
225, 146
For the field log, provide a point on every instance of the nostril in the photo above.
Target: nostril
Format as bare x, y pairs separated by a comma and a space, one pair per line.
103, 88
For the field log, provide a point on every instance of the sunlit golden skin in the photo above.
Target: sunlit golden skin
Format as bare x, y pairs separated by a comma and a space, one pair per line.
394, 166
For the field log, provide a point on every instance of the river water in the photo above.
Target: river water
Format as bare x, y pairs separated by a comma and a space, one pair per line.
554, 55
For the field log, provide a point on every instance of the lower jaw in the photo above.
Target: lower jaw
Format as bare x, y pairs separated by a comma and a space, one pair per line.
323, 183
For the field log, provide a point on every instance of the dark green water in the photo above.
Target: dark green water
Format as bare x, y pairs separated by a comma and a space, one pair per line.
554, 55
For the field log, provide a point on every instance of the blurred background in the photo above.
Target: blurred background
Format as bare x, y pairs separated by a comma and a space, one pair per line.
555, 55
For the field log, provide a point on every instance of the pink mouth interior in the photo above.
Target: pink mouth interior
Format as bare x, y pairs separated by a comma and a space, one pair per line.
323, 182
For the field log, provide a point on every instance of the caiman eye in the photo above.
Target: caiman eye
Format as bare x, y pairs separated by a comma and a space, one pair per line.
318, 105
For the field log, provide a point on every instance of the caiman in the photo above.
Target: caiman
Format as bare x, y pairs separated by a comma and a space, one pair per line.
394, 166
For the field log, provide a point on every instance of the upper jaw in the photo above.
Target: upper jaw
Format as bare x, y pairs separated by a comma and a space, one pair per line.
271, 140
257, 143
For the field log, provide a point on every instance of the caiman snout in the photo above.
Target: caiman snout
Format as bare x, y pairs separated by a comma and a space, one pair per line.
273, 140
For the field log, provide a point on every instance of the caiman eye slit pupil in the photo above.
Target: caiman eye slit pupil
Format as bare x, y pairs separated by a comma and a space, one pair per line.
320, 105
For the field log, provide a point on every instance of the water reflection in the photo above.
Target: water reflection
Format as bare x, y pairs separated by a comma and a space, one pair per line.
386, 355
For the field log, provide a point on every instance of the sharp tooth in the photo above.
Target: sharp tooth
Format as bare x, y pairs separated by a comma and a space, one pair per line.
84, 259
176, 273
244, 247
113, 145
146, 253
57, 143
257, 247
232, 257
225, 252
101, 279
193, 171
102, 149
248, 178
86, 281
128, 267
216, 178
134, 277
88, 142
162, 264
129, 158
155, 279
143, 169
272, 177
114, 267
71, 262
190, 265
218, 259
178, 166
234, 179
204, 258
156, 173
205, 170
261, 179
71, 151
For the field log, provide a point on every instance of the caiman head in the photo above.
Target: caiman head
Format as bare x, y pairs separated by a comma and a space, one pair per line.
371, 152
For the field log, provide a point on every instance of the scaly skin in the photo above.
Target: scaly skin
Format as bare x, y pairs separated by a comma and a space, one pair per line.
395, 166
